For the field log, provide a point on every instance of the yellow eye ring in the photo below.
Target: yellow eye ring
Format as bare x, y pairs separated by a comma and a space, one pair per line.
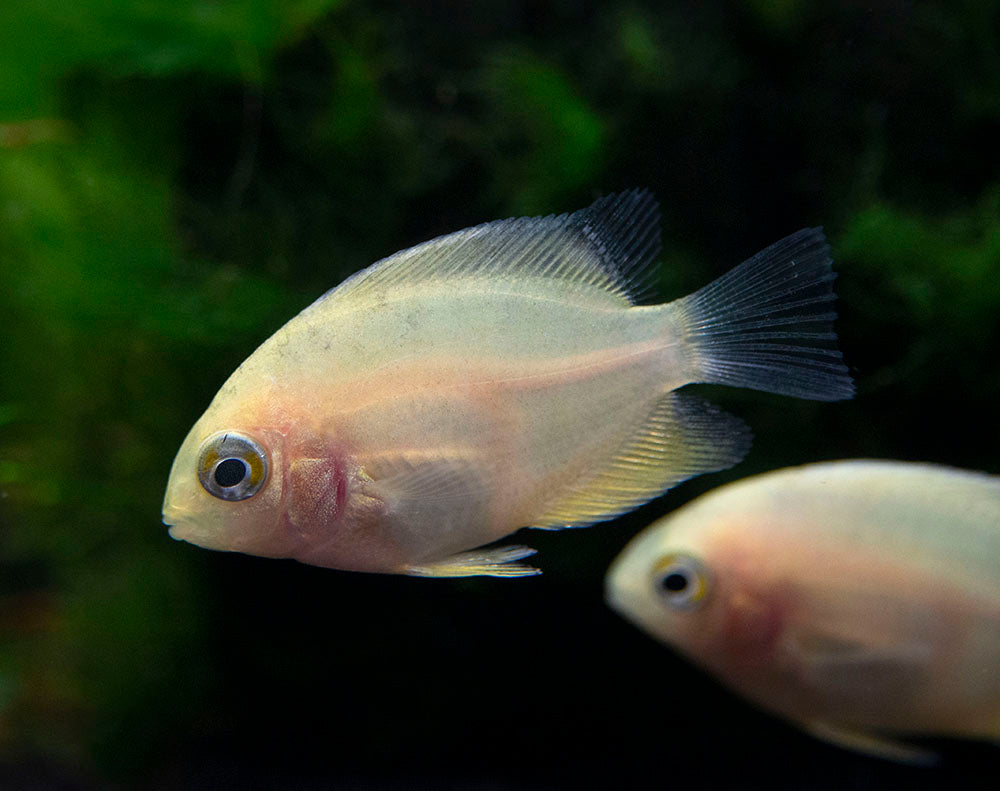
232, 466
681, 581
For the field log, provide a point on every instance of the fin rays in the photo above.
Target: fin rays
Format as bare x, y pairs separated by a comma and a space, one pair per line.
604, 252
498, 562
734, 321
682, 437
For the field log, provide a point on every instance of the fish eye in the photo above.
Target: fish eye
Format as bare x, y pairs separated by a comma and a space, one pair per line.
232, 466
680, 581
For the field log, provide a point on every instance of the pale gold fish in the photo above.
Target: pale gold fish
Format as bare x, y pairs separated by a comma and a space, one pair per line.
491, 379
857, 598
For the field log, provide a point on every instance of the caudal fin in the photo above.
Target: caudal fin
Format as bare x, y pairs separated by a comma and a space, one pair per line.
768, 323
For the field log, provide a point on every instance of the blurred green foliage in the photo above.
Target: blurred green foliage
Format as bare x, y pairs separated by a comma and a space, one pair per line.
44, 41
179, 177
554, 142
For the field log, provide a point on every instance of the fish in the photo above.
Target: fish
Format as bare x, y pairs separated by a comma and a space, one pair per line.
859, 599
504, 376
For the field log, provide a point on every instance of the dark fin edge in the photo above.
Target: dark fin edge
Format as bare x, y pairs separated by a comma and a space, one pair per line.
768, 323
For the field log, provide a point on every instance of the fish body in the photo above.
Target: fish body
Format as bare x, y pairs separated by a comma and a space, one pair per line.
857, 599
498, 377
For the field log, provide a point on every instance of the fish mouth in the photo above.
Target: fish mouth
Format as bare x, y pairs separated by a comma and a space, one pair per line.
614, 596
183, 526
622, 589
185, 530
174, 529
176, 524
612, 583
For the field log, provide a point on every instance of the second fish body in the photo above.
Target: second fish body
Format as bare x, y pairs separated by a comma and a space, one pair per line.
858, 599
499, 377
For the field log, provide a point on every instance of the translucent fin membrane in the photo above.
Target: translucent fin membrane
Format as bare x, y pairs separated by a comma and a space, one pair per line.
683, 437
768, 323
498, 562
604, 253
624, 229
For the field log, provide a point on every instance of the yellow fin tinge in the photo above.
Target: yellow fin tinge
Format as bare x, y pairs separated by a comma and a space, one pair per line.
681, 438
498, 562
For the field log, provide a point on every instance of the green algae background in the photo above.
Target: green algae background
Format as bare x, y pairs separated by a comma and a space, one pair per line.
179, 177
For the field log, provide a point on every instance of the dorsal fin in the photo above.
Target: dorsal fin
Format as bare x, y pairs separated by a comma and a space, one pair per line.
603, 253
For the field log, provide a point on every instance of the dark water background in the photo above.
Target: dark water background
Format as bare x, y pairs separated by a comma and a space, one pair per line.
179, 177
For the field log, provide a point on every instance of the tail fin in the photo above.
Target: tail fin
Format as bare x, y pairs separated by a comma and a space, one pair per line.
768, 323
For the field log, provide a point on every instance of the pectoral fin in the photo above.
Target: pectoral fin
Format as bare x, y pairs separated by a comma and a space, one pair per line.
432, 476
440, 499
863, 682
437, 498
856, 676
498, 562
872, 744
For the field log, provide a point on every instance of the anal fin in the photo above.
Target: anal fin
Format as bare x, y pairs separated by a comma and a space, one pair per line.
872, 744
682, 437
496, 562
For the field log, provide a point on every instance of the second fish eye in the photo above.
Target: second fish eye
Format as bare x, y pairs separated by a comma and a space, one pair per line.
680, 581
674, 582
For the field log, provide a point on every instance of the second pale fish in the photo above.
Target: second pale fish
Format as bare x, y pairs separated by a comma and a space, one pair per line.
858, 599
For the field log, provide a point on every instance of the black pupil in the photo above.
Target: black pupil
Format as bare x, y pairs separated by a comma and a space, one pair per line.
675, 582
230, 472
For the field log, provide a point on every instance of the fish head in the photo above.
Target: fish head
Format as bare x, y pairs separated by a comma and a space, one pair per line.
225, 488
257, 477
699, 582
